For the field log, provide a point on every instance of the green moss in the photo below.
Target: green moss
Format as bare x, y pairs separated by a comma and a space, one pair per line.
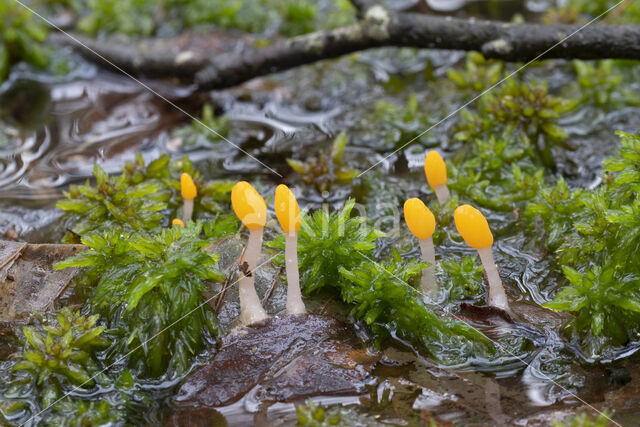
146, 17
142, 198
598, 81
594, 234
199, 131
550, 215
129, 17
325, 170
60, 356
529, 112
312, 415
22, 38
605, 301
463, 279
478, 75
72, 413
584, 420
327, 242
149, 290
497, 173
401, 123
380, 294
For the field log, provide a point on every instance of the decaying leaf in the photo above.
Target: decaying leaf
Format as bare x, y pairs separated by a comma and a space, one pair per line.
288, 358
28, 283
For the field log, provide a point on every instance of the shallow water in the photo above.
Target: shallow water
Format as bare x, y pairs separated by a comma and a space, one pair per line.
59, 127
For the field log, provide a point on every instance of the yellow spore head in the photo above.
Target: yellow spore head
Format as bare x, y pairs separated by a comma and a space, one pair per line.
420, 220
473, 227
435, 169
287, 209
248, 205
187, 187
177, 221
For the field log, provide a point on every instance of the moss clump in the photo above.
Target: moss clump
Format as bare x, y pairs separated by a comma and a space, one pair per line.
464, 278
143, 198
326, 170
312, 415
58, 357
149, 290
478, 75
594, 234
22, 38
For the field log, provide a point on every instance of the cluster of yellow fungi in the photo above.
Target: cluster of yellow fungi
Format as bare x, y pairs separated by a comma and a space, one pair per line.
251, 209
470, 223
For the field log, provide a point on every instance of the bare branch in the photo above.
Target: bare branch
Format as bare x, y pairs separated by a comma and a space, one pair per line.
380, 27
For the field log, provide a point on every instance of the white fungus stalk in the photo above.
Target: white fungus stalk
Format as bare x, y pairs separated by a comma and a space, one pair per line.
496, 295
474, 229
288, 214
294, 296
442, 193
428, 280
251, 310
187, 210
250, 208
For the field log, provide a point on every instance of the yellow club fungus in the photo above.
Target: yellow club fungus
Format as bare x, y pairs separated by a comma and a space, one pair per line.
422, 224
288, 214
436, 171
189, 192
474, 229
177, 221
251, 209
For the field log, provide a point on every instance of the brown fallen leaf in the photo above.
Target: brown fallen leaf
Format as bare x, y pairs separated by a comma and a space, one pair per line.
287, 358
28, 282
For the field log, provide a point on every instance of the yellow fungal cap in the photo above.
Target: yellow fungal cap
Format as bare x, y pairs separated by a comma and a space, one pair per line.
287, 209
435, 169
177, 221
420, 220
473, 227
248, 205
187, 186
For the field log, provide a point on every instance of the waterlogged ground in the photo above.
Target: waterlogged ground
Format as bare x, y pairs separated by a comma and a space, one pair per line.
59, 126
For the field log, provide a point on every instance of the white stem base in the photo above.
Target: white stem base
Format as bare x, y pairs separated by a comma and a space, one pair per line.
442, 193
294, 296
428, 280
251, 310
496, 295
187, 210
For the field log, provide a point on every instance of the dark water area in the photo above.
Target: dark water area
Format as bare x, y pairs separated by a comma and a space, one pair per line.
55, 129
